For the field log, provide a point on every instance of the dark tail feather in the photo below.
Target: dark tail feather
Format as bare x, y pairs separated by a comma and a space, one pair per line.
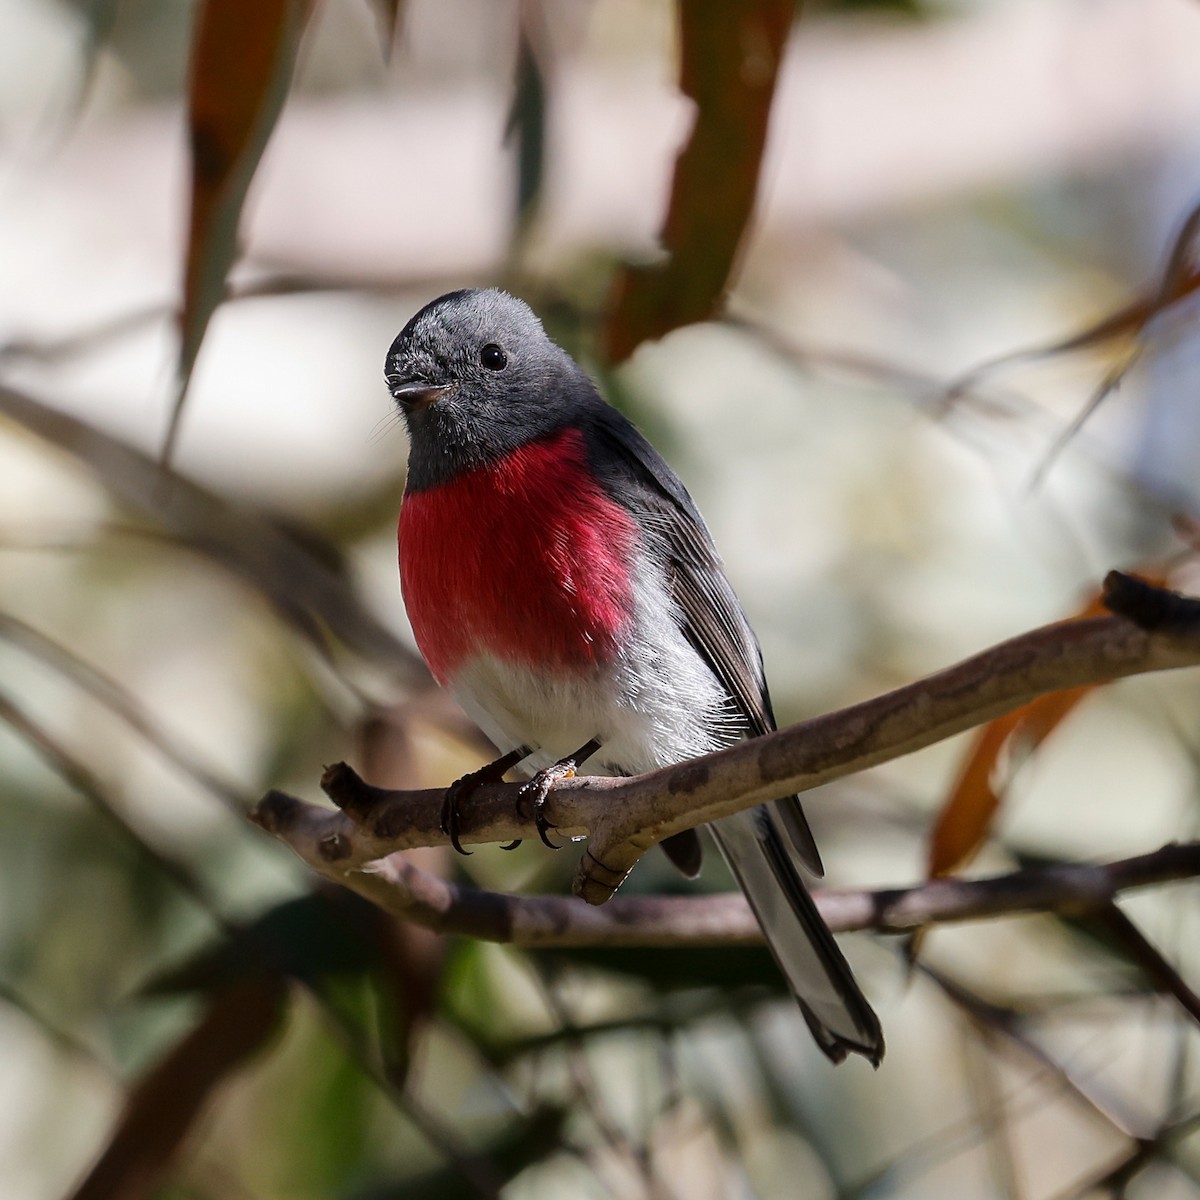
841, 1019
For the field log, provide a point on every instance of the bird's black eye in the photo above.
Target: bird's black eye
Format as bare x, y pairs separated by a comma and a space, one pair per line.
493, 357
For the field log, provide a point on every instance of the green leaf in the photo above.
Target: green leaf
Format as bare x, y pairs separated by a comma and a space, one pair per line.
527, 125
305, 938
521, 1144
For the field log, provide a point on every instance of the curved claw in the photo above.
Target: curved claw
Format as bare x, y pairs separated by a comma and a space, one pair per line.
448, 820
543, 826
512, 845
460, 789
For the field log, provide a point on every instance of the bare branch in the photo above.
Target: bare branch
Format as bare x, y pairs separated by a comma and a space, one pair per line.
1113, 924
397, 885
622, 818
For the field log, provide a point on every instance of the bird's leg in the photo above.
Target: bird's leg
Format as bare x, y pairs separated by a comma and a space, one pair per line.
460, 789
540, 785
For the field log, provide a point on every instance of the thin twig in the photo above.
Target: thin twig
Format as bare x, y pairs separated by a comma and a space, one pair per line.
403, 889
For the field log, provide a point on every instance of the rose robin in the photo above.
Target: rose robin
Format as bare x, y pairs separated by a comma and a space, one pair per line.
563, 586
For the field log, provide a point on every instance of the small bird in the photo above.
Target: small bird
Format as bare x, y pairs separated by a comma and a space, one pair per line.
562, 585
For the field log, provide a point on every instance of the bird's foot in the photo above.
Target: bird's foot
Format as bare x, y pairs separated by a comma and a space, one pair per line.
461, 789
535, 792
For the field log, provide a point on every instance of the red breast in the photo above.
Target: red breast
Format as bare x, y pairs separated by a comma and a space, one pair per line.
526, 559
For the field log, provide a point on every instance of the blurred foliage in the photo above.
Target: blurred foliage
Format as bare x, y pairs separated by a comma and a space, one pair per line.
184, 1013
716, 173
241, 68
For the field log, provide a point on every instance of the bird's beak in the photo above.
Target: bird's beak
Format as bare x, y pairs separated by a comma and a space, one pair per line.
413, 395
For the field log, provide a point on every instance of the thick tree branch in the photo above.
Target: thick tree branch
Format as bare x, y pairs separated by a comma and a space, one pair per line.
622, 818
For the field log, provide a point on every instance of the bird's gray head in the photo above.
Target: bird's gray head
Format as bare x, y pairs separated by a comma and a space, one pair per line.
476, 376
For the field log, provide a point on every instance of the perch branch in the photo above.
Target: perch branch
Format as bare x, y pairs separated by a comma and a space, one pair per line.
622, 818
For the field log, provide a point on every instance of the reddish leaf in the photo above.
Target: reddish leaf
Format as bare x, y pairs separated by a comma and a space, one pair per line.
730, 56
165, 1103
966, 817
241, 66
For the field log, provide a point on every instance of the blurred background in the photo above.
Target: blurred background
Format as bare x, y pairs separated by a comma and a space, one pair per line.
183, 1011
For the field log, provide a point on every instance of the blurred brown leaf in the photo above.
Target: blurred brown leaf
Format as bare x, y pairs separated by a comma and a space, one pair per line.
730, 55
165, 1102
999, 747
966, 817
241, 66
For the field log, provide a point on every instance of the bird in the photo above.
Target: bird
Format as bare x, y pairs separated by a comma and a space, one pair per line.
562, 585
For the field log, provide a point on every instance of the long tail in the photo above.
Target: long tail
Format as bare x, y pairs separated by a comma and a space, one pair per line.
841, 1019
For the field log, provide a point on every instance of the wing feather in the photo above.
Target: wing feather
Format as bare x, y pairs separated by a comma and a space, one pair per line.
713, 619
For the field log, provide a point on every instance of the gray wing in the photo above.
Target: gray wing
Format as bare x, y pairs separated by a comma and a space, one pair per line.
713, 619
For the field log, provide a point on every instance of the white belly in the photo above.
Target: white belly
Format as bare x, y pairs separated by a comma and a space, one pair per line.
657, 703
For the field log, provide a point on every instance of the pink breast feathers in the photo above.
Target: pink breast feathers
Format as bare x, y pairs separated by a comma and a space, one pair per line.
525, 559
